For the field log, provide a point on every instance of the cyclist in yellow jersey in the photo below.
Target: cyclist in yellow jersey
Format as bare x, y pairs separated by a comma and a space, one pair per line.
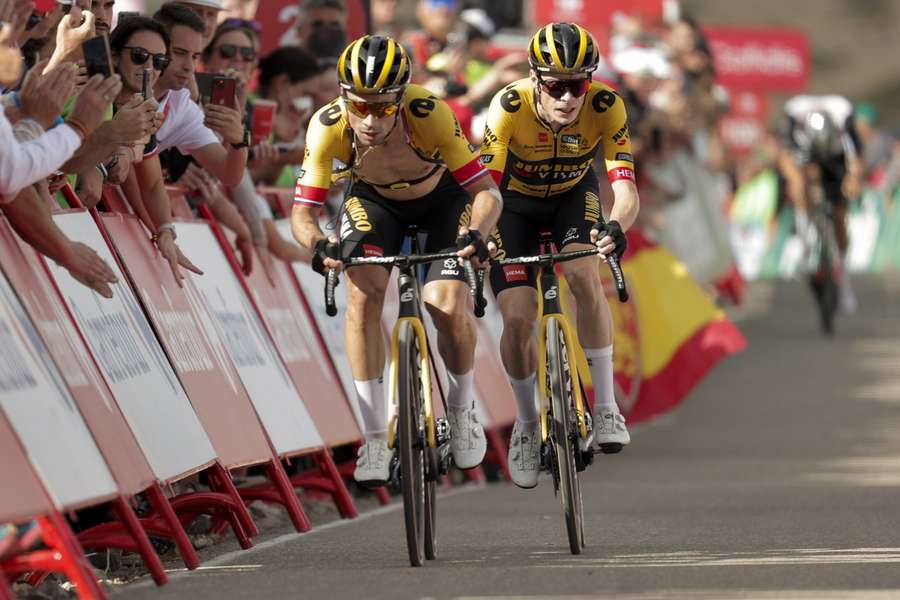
540, 141
410, 163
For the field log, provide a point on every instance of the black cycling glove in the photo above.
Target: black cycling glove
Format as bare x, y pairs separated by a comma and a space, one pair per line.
474, 238
322, 250
613, 230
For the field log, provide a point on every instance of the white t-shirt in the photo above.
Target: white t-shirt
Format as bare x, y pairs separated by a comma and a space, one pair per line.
183, 126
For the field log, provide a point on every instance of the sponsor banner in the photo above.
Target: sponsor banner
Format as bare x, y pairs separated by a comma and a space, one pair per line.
39, 407
761, 59
64, 344
295, 338
25, 499
279, 20
133, 363
744, 127
331, 328
236, 323
200, 359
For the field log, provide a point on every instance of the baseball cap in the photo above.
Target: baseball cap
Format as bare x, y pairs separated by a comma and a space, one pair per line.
216, 4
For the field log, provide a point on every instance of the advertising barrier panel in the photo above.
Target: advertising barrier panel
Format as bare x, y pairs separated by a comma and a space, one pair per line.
133, 362
200, 359
282, 412
46, 419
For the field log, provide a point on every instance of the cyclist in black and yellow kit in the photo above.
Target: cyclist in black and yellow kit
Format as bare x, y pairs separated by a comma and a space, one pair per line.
541, 139
410, 163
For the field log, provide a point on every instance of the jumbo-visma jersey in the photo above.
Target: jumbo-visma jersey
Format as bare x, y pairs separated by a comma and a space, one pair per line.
428, 122
524, 154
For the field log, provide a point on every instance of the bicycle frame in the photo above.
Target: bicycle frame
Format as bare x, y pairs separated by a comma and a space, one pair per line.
410, 312
551, 308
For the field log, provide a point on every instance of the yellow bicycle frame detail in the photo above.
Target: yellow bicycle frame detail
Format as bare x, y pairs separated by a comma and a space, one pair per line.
424, 374
571, 344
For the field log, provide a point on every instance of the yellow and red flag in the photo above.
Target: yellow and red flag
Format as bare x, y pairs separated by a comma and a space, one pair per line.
668, 336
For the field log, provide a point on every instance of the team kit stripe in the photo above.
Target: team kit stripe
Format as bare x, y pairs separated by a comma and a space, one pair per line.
469, 172
582, 49
386, 69
306, 194
551, 44
354, 63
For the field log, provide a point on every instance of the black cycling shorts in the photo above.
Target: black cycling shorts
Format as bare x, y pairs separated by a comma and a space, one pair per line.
372, 225
569, 216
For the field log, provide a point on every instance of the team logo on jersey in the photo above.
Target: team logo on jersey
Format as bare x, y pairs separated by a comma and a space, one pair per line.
570, 143
422, 107
591, 207
370, 250
330, 115
621, 136
624, 156
358, 214
571, 234
486, 158
511, 101
543, 136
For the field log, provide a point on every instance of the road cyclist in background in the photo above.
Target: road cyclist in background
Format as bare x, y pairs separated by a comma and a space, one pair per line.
541, 137
409, 163
823, 158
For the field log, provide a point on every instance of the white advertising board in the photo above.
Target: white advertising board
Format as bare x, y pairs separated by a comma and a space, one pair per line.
44, 415
133, 362
237, 325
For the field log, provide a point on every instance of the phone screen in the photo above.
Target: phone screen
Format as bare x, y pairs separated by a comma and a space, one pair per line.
97, 56
223, 90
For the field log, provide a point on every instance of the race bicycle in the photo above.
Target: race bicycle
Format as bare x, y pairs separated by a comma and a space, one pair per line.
567, 446
825, 262
419, 439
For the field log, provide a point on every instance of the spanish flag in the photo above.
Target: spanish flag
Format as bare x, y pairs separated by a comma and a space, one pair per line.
668, 335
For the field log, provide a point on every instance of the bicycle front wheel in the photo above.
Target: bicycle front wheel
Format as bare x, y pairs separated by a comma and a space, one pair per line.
563, 433
411, 443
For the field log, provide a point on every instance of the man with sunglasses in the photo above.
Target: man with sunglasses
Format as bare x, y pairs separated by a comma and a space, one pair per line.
541, 138
410, 163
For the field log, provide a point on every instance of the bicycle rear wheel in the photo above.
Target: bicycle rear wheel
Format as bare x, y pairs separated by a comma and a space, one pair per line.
563, 434
412, 443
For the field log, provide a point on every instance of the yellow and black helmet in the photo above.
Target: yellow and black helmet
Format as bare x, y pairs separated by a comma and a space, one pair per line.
373, 64
563, 48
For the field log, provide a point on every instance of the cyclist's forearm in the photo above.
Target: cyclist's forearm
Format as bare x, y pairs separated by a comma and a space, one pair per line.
305, 225
487, 204
627, 203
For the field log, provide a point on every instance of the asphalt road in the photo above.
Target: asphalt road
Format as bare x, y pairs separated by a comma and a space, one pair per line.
778, 478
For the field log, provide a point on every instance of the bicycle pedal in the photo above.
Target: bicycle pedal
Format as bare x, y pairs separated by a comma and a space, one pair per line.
614, 448
586, 444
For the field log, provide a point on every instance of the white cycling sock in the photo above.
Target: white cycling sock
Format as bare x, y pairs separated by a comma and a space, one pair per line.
600, 364
370, 397
460, 394
523, 390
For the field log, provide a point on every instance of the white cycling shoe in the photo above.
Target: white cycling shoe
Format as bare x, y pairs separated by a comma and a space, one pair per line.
467, 441
373, 464
524, 458
610, 431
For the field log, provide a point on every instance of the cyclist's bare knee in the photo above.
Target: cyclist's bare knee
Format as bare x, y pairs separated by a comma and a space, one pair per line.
583, 277
518, 306
446, 302
366, 286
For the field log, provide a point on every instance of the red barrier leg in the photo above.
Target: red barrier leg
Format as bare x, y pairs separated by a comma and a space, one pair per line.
5, 592
144, 547
171, 527
222, 478
497, 452
475, 475
341, 494
278, 491
64, 555
327, 480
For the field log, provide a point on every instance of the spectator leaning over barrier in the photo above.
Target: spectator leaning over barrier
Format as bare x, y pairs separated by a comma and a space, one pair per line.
139, 44
438, 19
208, 10
188, 135
27, 163
558, 117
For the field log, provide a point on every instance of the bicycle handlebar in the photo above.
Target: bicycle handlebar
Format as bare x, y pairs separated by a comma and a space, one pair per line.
551, 259
476, 281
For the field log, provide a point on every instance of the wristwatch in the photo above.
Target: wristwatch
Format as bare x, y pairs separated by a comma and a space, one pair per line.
245, 142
